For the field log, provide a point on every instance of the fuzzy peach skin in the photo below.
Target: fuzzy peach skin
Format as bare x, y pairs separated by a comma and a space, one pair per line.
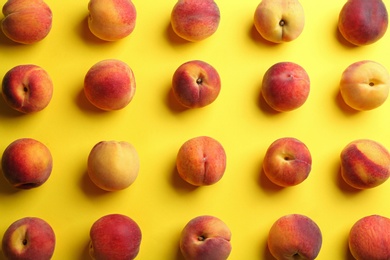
26, 163
196, 84
201, 161
365, 164
195, 20
363, 22
279, 20
29, 238
287, 162
294, 236
369, 238
115, 237
365, 85
27, 88
205, 237
111, 20
26, 21
113, 165
110, 84
285, 86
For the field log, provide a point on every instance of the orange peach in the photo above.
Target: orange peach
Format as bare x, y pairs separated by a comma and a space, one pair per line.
294, 236
111, 20
110, 84
26, 163
363, 22
365, 164
196, 84
27, 88
205, 237
201, 161
369, 238
365, 85
195, 20
26, 21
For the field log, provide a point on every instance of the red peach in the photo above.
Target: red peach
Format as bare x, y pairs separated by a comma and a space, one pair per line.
110, 84
201, 161
195, 20
26, 21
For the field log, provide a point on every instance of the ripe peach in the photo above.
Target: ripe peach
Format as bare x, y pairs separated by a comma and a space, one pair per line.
205, 237
27, 88
201, 161
113, 165
196, 84
286, 86
195, 20
29, 238
294, 236
287, 162
279, 20
363, 22
115, 237
110, 84
26, 21
111, 20
26, 163
369, 238
365, 85
365, 164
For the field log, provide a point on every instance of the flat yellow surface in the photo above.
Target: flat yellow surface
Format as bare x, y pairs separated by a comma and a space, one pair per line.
159, 201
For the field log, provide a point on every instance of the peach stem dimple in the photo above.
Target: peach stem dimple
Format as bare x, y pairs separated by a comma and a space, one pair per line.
282, 23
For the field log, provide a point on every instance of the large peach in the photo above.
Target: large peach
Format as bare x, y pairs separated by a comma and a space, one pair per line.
29, 238
201, 161
285, 86
279, 20
111, 20
113, 165
363, 22
294, 236
195, 20
26, 21
205, 237
115, 237
369, 238
365, 85
26, 163
287, 162
365, 164
27, 88
110, 84
196, 84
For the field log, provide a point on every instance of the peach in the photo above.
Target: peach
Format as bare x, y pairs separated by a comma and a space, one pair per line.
287, 162
364, 85
363, 22
195, 20
115, 237
27, 88
294, 236
285, 86
26, 163
201, 161
369, 238
26, 21
279, 20
29, 238
113, 165
196, 84
205, 237
111, 20
365, 164
110, 85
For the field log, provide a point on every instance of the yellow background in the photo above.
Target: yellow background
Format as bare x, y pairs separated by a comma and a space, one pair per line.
159, 201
